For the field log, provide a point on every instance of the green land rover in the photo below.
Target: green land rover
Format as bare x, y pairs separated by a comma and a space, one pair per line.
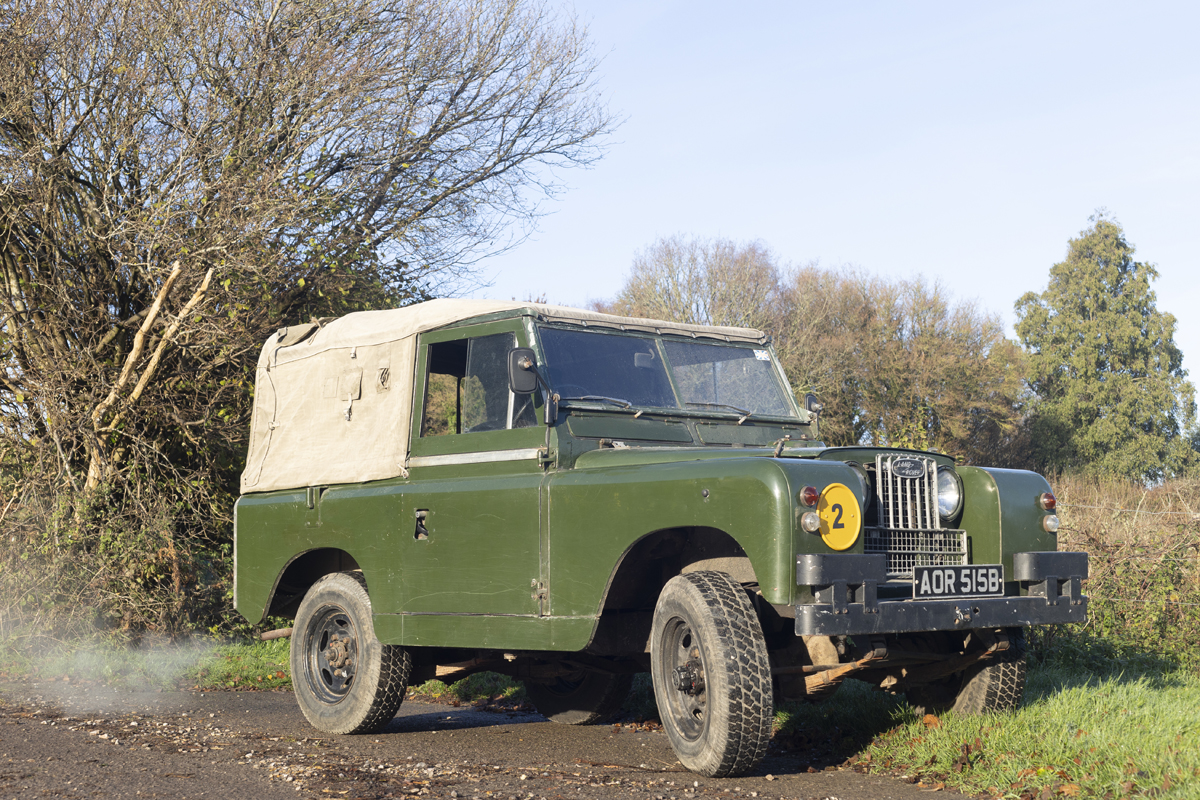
571, 498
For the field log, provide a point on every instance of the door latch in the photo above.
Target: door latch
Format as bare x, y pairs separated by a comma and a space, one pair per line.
541, 596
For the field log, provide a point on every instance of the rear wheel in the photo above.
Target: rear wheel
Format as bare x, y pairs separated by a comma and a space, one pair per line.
995, 684
345, 680
580, 698
712, 679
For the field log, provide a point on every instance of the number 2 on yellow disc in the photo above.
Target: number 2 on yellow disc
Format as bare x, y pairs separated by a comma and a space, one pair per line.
841, 517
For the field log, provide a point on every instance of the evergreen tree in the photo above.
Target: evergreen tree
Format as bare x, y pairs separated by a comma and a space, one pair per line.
1111, 396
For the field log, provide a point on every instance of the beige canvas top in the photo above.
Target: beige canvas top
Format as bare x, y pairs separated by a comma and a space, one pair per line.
333, 402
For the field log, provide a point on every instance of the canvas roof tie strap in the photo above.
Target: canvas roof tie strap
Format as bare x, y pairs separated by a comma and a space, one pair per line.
349, 404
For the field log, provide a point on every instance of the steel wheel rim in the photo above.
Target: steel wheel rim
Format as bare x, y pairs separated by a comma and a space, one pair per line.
681, 648
331, 654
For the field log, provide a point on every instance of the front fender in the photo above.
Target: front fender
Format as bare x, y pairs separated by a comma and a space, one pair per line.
1001, 514
597, 514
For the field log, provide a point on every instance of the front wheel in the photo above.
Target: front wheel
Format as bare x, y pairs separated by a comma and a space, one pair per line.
712, 677
580, 698
345, 680
996, 684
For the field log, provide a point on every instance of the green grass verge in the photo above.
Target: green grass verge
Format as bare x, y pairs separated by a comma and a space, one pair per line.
244, 665
1075, 736
478, 688
105, 659
148, 665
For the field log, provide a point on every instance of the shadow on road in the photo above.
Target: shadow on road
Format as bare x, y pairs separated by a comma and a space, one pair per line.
415, 717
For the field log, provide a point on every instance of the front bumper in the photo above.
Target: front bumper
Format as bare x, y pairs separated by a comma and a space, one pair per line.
847, 604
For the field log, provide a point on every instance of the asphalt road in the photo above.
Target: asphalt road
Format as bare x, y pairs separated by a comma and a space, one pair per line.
58, 740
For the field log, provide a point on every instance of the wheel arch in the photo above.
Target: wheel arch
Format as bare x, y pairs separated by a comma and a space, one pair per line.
627, 605
301, 572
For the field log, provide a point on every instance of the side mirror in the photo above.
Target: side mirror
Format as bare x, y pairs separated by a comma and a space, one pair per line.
522, 371
811, 405
523, 378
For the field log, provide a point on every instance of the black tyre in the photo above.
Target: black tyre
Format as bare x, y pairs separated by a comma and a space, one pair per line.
712, 677
582, 698
996, 684
345, 680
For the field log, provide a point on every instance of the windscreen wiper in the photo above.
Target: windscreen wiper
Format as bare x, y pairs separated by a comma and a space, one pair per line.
745, 414
616, 401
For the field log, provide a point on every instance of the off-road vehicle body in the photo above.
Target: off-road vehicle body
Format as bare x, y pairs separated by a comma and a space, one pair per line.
570, 498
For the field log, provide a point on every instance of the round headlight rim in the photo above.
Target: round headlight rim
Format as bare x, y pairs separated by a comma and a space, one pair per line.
958, 488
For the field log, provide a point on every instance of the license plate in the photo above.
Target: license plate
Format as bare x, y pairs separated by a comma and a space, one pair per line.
948, 582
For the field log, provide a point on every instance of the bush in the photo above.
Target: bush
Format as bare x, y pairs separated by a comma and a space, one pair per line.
71, 567
1144, 587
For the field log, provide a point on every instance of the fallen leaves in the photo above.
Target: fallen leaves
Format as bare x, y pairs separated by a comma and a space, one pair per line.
963, 761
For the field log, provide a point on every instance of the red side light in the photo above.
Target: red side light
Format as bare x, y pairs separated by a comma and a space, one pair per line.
809, 495
1047, 501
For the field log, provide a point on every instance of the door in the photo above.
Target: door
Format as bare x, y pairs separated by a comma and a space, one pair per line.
472, 505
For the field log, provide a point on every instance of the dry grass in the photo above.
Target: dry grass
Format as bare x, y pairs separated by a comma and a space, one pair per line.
1145, 571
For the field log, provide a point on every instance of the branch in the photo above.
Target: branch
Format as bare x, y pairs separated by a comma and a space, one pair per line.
139, 342
152, 367
148, 373
112, 334
63, 456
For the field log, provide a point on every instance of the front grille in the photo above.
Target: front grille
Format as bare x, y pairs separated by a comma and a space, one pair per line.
907, 501
908, 549
909, 530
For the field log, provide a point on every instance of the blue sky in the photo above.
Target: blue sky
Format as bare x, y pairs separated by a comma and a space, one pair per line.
963, 142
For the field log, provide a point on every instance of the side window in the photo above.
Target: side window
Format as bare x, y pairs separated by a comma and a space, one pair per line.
467, 388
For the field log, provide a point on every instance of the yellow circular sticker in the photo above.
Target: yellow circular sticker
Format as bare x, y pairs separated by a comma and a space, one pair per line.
841, 517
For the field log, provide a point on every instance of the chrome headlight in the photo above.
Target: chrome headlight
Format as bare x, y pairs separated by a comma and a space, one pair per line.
949, 493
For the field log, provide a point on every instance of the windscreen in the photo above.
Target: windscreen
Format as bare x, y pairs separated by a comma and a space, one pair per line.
723, 377
583, 364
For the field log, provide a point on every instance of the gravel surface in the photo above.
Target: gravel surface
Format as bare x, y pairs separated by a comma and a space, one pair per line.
58, 740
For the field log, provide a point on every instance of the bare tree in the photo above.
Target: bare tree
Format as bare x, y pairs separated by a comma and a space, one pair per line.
899, 363
894, 362
705, 282
932, 374
822, 315
177, 179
